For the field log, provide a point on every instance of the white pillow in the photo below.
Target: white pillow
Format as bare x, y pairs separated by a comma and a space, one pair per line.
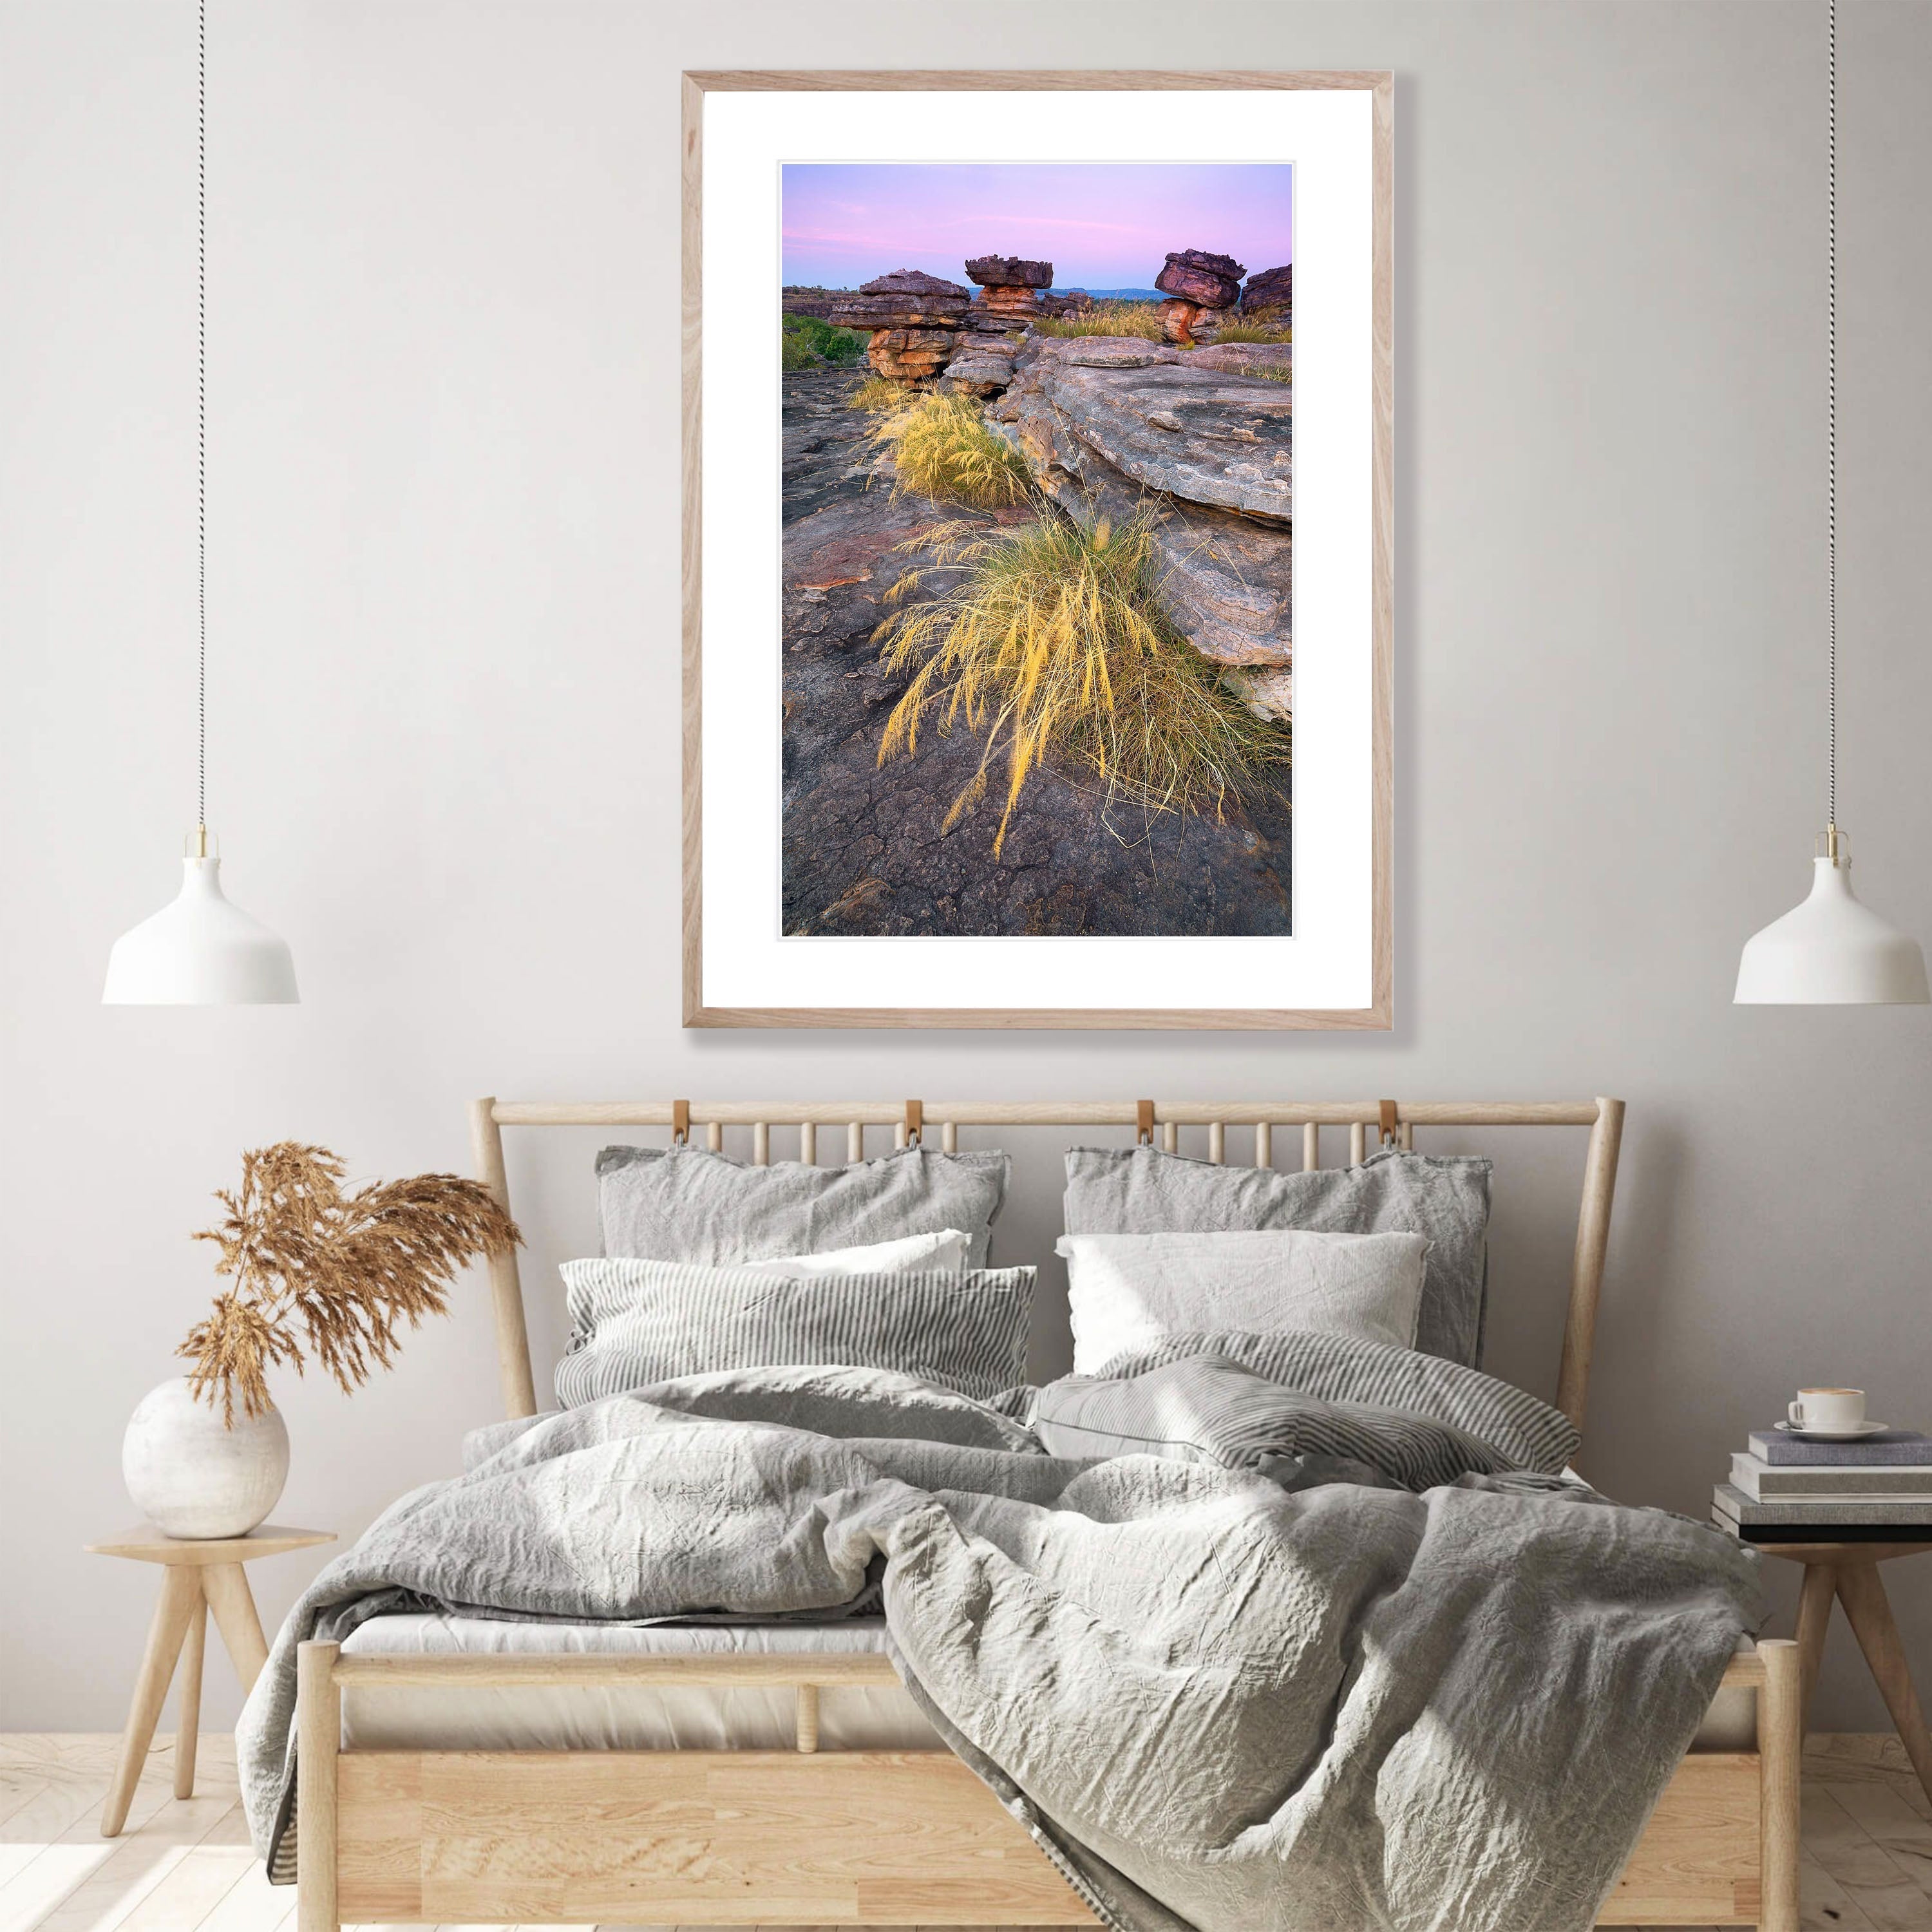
1128, 1290
943, 1253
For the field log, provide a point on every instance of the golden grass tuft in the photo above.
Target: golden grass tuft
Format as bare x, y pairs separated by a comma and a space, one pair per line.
1055, 641
344, 1269
877, 395
1107, 318
941, 446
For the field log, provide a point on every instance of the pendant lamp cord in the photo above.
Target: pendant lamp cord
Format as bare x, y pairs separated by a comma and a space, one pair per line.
1831, 410
202, 414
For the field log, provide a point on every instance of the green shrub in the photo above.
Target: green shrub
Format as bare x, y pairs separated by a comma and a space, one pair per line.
1254, 331
1054, 641
808, 341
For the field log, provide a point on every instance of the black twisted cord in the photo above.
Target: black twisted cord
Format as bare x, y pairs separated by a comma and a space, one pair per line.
1831, 406
201, 414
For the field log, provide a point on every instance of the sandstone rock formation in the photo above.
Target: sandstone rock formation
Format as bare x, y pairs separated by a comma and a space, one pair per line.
1011, 285
911, 317
1111, 424
1269, 291
993, 327
1201, 289
1207, 280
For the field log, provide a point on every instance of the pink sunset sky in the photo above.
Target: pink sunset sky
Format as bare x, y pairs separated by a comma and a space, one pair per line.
1101, 227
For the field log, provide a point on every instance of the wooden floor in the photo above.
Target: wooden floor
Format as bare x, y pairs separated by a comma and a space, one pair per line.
184, 1865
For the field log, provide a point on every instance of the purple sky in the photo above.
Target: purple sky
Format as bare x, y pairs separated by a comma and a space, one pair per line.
1105, 227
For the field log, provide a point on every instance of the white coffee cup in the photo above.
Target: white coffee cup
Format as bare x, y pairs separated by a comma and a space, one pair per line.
1830, 1411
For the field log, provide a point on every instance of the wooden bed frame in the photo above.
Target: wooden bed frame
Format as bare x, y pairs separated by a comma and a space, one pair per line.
750, 1838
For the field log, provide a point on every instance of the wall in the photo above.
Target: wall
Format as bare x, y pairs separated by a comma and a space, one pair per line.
443, 505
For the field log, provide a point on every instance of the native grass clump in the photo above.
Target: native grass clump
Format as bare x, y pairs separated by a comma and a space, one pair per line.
943, 446
1278, 336
877, 396
1052, 641
1105, 318
335, 1273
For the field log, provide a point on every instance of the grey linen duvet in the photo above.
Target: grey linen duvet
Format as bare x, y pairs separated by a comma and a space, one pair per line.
1217, 1698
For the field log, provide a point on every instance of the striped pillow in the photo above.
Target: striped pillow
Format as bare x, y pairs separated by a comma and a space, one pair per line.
1206, 1409
636, 1322
1524, 1432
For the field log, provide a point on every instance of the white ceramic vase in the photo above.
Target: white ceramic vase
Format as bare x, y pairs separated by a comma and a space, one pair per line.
192, 1476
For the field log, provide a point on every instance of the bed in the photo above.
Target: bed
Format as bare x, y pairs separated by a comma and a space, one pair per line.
453, 1770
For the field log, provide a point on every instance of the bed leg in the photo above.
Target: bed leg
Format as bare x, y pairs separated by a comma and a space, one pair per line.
808, 1716
318, 1738
1781, 1747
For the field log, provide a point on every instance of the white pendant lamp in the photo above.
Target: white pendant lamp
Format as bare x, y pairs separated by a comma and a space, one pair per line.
200, 950
1832, 951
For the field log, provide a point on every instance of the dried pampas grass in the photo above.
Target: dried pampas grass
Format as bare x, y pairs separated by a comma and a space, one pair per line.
337, 1272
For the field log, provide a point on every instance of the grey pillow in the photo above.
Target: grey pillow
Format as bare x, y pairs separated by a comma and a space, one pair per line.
1209, 1408
1383, 1388
686, 1204
1143, 1191
634, 1323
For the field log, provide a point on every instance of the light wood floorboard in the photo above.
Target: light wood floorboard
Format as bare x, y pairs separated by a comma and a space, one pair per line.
185, 1866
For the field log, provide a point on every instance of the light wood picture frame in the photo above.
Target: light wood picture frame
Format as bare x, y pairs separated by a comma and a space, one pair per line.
739, 969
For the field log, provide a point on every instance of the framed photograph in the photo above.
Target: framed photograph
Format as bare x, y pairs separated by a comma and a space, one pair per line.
1037, 561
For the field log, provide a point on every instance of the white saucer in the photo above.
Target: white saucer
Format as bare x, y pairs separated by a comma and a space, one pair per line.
1854, 1435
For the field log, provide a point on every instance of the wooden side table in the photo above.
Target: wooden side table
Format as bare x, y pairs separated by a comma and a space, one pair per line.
1846, 1572
198, 1577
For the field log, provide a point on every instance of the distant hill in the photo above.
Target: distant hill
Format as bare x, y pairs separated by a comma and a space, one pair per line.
1116, 294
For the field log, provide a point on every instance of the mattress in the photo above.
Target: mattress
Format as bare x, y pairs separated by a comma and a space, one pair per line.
632, 1716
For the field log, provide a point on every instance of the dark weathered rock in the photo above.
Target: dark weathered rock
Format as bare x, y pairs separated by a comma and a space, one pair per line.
1270, 288
1009, 271
1213, 281
864, 849
824, 458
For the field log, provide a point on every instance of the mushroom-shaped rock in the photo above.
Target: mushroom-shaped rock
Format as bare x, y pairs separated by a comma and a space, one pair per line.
906, 299
1009, 271
1194, 274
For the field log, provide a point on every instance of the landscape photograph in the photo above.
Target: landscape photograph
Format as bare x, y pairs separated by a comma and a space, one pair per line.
1036, 530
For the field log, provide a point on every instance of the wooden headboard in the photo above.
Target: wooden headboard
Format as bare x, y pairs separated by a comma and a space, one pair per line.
1394, 1122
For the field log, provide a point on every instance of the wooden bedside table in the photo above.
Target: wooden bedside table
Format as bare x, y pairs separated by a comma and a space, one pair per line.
198, 1577
1845, 1570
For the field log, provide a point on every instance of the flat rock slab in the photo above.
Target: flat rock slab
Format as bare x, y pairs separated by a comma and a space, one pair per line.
1207, 436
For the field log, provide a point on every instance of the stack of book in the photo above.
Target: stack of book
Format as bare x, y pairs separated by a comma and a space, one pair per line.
1785, 1488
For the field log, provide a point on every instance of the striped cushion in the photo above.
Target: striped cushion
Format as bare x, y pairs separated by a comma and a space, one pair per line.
1360, 1395
636, 1322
